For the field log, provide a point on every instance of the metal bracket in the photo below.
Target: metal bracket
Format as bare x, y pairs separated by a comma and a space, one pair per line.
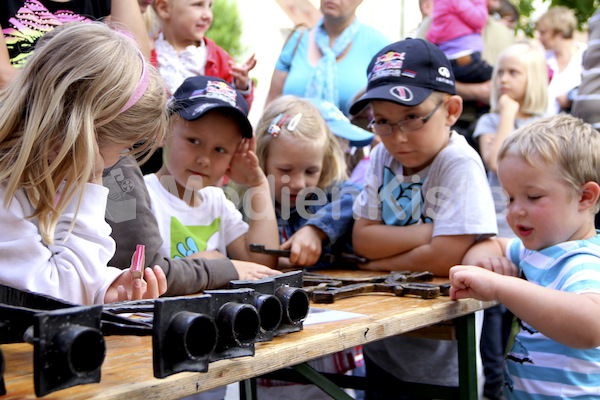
287, 288
184, 336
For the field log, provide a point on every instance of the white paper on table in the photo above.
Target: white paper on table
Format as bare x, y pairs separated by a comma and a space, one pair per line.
322, 315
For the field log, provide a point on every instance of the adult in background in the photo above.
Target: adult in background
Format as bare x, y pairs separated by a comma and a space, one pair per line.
476, 96
564, 55
328, 61
23, 22
586, 104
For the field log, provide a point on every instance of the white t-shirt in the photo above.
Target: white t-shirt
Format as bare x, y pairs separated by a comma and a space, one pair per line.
212, 225
453, 193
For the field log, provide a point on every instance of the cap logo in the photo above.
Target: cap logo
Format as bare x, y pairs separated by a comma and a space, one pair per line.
388, 64
402, 93
443, 71
217, 90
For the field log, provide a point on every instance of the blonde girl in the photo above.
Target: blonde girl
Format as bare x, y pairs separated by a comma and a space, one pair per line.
519, 95
84, 99
305, 166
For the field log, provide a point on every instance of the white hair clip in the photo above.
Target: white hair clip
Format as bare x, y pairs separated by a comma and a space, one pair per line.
276, 124
293, 124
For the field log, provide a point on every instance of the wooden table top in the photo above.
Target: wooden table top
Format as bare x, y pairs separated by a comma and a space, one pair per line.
127, 369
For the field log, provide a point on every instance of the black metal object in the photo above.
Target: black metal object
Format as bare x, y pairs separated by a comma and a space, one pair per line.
185, 335
188, 332
237, 323
2, 387
68, 340
287, 288
325, 257
327, 289
69, 348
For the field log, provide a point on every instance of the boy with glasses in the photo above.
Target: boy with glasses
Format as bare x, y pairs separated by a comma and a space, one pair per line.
426, 199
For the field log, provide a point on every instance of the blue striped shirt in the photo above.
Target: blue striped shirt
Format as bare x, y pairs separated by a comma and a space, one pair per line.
537, 367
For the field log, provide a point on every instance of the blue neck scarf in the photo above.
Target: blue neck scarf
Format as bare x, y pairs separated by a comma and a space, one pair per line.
323, 83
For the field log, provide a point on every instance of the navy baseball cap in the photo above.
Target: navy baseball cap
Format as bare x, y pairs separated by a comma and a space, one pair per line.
199, 94
406, 72
340, 125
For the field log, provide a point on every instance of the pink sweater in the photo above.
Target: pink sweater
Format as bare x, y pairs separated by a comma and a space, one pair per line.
455, 18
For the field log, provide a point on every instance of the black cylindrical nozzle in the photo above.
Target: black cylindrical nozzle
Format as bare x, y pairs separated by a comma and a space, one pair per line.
238, 323
191, 335
270, 311
82, 348
295, 303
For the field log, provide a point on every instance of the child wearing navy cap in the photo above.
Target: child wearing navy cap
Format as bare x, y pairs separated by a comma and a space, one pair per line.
210, 137
425, 200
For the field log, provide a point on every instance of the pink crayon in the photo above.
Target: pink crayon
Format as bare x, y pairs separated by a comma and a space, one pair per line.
137, 262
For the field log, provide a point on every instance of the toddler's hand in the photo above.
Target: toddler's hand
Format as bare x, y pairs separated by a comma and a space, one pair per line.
469, 281
240, 73
499, 264
124, 288
305, 245
244, 168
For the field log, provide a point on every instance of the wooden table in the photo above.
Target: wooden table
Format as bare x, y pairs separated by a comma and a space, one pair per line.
127, 370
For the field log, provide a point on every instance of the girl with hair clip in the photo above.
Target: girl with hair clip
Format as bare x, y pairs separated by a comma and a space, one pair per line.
313, 202
84, 99
306, 165
519, 95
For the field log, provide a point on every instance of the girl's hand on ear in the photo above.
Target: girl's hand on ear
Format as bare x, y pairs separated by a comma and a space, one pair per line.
244, 168
124, 288
305, 245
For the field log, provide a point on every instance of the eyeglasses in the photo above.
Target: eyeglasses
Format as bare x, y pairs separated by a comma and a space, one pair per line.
407, 125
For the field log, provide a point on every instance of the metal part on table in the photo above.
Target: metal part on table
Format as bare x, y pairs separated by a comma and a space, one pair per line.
401, 283
325, 257
184, 335
237, 323
188, 332
287, 289
400, 289
2, 387
68, 348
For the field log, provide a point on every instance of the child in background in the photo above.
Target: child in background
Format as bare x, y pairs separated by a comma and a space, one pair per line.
519, 95
456, 27
183, 50
210, 136
549, 275
305, 163
85, 96
313, 201
425, 200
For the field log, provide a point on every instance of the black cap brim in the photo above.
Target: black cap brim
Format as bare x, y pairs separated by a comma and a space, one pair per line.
404, 95
194, 112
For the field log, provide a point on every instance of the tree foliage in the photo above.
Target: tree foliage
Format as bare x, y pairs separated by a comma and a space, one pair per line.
226, 28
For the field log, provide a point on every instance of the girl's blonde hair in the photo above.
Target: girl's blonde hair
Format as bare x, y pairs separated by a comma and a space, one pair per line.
533, 59
559, 19
67, 101
564, 143
310, 127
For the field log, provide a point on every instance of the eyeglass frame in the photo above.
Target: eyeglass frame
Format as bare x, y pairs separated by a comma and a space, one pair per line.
399, 124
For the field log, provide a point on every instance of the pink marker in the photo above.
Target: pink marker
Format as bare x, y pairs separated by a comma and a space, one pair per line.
137, 262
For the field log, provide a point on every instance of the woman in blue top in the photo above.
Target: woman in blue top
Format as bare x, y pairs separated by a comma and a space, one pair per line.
329, 61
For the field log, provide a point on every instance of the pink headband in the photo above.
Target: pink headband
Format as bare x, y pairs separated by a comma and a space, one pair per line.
141, 86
